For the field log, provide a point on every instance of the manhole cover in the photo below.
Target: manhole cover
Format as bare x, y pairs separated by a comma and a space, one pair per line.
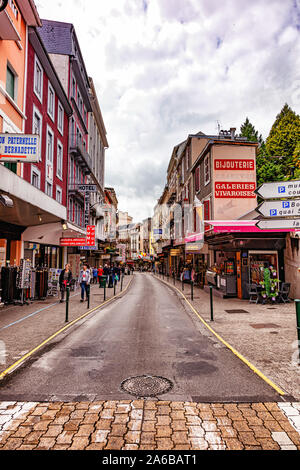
146, 386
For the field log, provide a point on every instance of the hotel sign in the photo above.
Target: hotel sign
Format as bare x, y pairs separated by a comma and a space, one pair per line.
19, 148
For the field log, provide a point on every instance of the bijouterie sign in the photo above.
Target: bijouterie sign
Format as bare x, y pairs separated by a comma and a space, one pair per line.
234, 165
239, 190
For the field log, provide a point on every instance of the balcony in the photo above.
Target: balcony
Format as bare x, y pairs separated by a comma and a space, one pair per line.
73, 188
77, 148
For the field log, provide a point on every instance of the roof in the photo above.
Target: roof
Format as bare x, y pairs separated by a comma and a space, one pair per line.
57, 37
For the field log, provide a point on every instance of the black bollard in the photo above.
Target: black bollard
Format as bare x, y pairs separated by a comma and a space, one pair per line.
211, 304
192, 290
67, 303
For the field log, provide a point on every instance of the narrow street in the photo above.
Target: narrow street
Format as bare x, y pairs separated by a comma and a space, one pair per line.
149, 331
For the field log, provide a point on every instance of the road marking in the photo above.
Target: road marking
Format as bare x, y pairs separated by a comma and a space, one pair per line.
235, 352
37, 348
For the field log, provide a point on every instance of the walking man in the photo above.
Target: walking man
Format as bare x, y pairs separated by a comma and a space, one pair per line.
64, 280
85, 280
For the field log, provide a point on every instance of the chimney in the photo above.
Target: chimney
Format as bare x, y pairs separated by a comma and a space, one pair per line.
232, 132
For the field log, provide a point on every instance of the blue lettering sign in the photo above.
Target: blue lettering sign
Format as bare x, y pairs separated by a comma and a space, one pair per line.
273, 212
281, 189
285, 205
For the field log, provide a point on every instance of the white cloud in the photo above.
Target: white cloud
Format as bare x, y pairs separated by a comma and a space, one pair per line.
167, 68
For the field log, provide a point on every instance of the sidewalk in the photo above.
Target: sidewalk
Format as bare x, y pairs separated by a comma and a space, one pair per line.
23, 328
266, 335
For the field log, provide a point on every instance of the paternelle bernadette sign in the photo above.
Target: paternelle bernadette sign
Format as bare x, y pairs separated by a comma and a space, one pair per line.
19, 148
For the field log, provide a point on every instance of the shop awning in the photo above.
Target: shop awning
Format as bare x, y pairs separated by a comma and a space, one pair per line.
240, 226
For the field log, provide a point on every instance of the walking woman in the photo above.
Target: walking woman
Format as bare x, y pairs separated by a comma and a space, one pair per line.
65, 279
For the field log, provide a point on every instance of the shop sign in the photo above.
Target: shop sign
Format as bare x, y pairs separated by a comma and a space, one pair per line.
288, 208
91, 235
193, 248
234, 165
174, 253
239, 190
87, 248
273, 224
282, 189
23, 148
87, 205
72, 241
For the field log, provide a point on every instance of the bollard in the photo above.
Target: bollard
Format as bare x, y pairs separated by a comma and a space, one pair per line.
122, 277
174, 279
192, 290
88, 295
211, 304
104, 291
297, 302
67, 303
115, 287
182, 285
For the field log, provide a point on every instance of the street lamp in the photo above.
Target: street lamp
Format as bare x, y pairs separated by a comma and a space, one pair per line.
5, 200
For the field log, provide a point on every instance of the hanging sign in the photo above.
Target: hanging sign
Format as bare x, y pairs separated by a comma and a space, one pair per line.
19, 148
279, 190
288, 208
278, 224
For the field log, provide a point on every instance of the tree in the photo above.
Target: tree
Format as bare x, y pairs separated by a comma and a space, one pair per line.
284, 138
267, 168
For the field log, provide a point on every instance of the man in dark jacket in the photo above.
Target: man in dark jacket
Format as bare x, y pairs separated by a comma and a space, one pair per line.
64, 280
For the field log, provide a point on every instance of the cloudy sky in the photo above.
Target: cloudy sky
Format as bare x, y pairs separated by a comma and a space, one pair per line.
166, 68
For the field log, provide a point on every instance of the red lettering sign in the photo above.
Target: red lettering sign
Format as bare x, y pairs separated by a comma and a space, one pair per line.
234, 165
240, 190
72, 241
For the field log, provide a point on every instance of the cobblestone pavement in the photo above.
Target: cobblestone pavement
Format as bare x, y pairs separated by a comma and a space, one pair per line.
149, 425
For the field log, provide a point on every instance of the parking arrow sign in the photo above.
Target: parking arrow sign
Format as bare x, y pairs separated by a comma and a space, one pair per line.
287, 208
279, 224
279, 190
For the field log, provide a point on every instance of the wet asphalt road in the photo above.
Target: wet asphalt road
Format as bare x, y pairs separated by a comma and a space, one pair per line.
148, 331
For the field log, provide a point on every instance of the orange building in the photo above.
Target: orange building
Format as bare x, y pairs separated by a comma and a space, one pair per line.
14, 23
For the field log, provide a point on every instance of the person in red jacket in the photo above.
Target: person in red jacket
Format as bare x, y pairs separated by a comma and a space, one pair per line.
100, 273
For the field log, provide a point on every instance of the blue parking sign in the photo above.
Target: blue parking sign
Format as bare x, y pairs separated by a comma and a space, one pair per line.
273, 212
281, 189
286, 205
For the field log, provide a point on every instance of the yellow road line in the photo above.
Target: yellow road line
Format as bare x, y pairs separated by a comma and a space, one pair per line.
242, 358
26, 356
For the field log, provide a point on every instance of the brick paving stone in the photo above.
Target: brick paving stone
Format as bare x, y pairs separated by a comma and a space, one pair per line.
163, 420
136, 425
177, 415
99, 437
123, 408
286, 426
198, 443
79, 443
164, 444
136, 414
224, 421
25, 447
22, 431
163, 410
207, 416
114, 443
295, 437
78, 414
163, 431
178, 425
119, 418
107, 413
191, 410
180, 437
95, 408
195, 431
193, 420
203, 407
177, 405
147, 447
254, 421
148, 426
72, 425
272, 406
95, 446
83, 406
90, 418
118, 430
233, 444
46, 443
65, 437
260, 431
149, 415
268, 444
54, 431
137, 404
273, 426
235, 415
213, 437
227, 431
49, 414
12, 443
241, 426
150, 405
130, 447
85, 430
231, 406
209, 426
39, 411
33, 437
147, 438
258, 407
110, 405
248, 438
43, 425
181, 447
104, 424
132, 437
218, 412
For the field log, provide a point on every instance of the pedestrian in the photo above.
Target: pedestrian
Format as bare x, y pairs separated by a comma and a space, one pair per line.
84, 281
100, 273
64, 280
95, 275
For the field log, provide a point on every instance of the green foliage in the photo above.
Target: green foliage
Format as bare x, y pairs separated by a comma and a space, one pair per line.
284, 135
